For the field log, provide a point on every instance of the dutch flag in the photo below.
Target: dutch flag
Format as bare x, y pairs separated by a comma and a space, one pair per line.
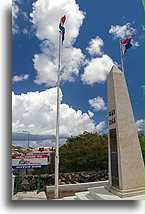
126, 43
61, 27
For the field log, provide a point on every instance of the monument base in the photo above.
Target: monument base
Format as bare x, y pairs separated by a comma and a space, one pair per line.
100, 193
125, 193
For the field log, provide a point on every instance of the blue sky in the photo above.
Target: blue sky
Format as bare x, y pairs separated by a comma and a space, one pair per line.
91, 47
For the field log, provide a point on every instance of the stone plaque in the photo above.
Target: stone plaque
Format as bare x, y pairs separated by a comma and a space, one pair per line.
114, 157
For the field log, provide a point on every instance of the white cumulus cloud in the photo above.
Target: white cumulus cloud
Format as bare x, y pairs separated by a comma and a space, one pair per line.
100, 127
119, 31
16, 12
36, 112
46, 64
140, 124
46, 15
97, 70
72, 60
97, 103
46, 70
20, 78
91, 114
95, 46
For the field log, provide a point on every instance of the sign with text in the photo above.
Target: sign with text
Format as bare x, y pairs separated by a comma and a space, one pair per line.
29, 161
39, 153
42, 153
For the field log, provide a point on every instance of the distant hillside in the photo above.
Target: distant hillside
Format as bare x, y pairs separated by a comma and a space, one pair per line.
18, 150
86, 152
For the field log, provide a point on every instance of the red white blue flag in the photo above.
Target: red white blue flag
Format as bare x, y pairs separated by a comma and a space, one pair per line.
61, 27
126, 44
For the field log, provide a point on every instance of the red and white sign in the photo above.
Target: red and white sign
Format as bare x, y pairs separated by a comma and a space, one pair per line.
29, 161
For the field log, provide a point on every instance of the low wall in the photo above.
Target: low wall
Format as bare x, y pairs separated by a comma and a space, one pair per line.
76, 187
30, 182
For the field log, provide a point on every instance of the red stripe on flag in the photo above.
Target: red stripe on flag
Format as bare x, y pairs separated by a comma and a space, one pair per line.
63, 19
126, 40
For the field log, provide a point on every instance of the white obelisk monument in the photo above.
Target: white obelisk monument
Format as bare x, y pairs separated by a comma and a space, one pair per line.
126, 166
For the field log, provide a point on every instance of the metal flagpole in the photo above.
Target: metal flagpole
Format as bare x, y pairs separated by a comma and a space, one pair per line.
57, 125
121, 53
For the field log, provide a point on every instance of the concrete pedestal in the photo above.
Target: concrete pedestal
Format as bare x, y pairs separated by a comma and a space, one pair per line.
100, 193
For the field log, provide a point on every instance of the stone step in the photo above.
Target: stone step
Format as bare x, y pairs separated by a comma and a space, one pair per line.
100, 193
29, 196
83, 196
69, 198
57, 199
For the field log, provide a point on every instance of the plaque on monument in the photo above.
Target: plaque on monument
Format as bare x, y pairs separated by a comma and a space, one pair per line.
114, 157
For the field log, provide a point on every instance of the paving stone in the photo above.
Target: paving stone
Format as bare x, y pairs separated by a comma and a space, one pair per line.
29, 196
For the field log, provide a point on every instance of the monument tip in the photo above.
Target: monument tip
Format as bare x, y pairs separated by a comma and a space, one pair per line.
115, 69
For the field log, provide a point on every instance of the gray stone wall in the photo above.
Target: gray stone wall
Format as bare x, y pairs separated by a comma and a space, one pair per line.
30, 182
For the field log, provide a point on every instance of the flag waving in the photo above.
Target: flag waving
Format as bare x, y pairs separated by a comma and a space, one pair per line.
126, 44
61, 27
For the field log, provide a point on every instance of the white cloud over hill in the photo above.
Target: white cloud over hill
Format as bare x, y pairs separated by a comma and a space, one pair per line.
36, 112
140, 124
100, 126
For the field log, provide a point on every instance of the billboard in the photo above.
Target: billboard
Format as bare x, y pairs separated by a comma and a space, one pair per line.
29, 161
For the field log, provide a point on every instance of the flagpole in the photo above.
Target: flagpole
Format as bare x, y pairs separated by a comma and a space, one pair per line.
121, 53
57, 125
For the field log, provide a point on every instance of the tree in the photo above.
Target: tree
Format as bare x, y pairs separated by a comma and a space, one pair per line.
85, 152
